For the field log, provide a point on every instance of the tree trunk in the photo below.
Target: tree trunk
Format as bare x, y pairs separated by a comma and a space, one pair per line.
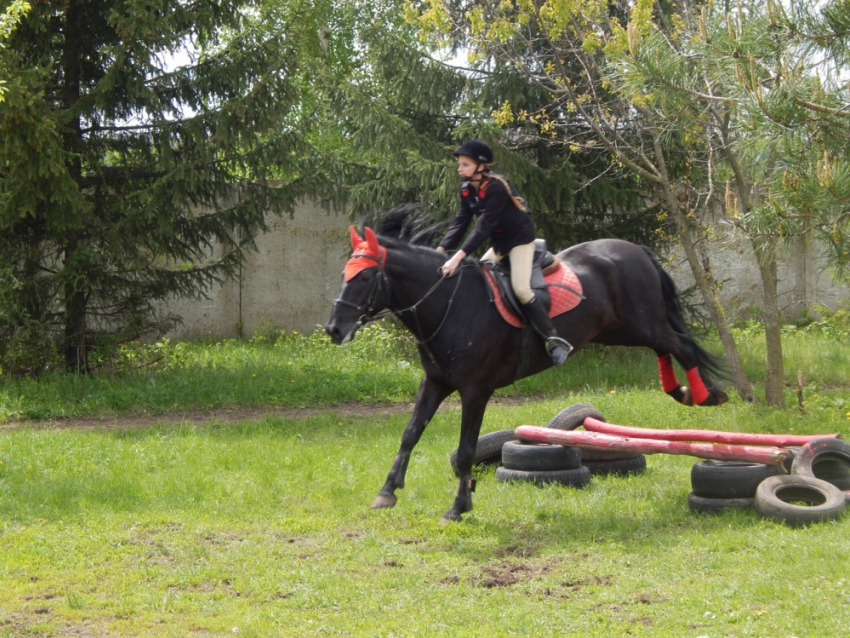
710, 296
76, 359
708, 290
75, 297
765, 253
775, 380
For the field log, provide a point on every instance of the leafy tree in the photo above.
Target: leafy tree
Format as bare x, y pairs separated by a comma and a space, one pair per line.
121, 167
768, 85
574, 51
723, 113
8, 20
389, 127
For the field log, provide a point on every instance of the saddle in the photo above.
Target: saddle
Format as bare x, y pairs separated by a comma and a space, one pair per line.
552, 281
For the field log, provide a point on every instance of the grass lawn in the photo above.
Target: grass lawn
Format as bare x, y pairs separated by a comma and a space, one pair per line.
261, 527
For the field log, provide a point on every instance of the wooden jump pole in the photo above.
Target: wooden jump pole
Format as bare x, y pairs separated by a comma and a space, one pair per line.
599, 441
705, 436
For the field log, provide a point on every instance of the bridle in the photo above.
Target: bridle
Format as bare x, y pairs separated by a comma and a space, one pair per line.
381, 282
369, 304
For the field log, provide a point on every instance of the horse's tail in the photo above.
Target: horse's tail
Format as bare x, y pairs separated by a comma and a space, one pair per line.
707, 362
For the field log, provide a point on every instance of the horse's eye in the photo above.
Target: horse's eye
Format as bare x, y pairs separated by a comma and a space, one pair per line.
365, 275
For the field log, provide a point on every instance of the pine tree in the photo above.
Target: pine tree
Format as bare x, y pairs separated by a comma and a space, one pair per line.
715, 108
408, 103
121, 167
767, 85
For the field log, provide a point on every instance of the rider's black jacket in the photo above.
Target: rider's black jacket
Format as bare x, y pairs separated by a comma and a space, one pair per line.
498, 218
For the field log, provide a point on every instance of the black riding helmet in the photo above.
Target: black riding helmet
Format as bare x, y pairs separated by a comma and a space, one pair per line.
477, 150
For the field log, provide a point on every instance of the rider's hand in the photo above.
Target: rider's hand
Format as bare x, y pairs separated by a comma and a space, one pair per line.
451, 265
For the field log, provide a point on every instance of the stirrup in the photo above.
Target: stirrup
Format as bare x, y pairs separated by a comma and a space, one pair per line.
559, 349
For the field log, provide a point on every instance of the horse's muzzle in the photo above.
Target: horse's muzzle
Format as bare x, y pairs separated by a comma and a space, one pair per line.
340, 335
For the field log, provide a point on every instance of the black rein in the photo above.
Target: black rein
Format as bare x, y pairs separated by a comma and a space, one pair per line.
382, 281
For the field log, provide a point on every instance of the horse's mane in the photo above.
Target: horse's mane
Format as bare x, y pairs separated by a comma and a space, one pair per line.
395, 243
407, 227
410, 223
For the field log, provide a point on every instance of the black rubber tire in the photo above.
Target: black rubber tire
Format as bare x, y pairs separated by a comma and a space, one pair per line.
730, 479
578, 477
539, 457
826, 459
705, 505
777, 498
573, 416
607, 455
488, 450
617, 467
789, 460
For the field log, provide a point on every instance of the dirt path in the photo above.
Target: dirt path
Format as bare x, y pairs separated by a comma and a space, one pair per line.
245, 413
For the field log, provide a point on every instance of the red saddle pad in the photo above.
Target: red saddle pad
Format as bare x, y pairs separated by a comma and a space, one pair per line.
562, 299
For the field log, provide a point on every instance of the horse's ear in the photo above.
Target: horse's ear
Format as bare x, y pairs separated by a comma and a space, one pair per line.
356, 239
372, 241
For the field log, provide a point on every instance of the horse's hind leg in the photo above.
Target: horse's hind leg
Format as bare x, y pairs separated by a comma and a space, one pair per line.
676, 339
429, 397
700, 391
711, 393
669, 383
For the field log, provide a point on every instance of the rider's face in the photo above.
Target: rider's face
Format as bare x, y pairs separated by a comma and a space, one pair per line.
466, 166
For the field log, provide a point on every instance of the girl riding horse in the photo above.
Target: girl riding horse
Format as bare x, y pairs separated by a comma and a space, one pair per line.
504, 218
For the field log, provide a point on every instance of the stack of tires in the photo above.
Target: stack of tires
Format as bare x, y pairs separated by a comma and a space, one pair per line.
816, 489
598, 462
724, 485
542, 464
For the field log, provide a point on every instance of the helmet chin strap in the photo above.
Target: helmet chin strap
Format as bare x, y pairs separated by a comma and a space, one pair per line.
479, 173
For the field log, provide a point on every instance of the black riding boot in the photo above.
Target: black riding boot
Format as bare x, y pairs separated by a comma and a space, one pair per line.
559, 349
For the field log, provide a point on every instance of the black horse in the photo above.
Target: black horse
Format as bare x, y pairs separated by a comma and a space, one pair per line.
465, 345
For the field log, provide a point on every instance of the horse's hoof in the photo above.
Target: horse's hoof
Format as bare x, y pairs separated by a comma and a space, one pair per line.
450, 517
384, 501
722, 397
683, 395
716, 397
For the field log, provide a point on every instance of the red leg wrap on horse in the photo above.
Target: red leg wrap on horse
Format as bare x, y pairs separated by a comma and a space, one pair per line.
698, 389
669, 382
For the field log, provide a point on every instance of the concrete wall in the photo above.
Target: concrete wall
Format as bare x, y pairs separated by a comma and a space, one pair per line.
291, 281
803, 277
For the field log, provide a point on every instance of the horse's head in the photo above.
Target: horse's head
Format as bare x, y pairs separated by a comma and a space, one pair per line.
364, 288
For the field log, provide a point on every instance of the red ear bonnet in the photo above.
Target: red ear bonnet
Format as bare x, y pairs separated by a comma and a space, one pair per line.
367, 253
372, 241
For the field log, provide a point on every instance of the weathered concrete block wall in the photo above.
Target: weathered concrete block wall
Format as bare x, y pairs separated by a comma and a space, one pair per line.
289, 283
803, 277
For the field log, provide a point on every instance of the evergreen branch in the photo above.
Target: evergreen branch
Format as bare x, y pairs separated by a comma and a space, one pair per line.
843, 112
162, 125
707, 97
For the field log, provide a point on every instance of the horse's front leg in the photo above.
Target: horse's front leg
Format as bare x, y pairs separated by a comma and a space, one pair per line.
429, 397
473, 405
